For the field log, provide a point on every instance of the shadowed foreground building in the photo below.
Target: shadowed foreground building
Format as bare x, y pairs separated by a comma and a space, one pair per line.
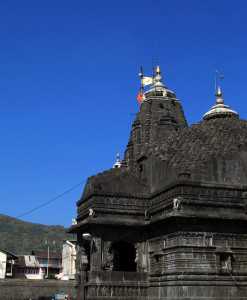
170, 222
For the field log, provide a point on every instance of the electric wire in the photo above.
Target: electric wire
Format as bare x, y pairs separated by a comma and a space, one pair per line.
30, 211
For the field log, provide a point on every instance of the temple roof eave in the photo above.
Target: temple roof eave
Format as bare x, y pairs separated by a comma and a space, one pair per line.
88, 223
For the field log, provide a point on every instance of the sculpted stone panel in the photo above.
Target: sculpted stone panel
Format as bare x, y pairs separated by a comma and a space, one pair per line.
107, 256
95, 254
142, 257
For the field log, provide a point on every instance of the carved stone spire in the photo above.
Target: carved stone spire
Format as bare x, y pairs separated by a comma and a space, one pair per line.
160, 113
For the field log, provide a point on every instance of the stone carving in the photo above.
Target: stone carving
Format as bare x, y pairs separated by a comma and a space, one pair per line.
141, 257
107, 263
91, 213
177, 203
146, 215
95, 254
208, 240
226, 263
117, 291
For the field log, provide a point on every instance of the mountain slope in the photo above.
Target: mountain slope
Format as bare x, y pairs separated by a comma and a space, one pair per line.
20, 237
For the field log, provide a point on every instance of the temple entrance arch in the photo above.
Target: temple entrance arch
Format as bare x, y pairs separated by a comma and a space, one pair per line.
124, 255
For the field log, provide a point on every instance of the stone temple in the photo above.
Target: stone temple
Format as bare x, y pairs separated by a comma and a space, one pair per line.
169, 221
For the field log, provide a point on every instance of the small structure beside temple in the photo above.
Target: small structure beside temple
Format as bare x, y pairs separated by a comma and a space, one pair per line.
170, 222
50, 262
68, 270
7, 262
28, 267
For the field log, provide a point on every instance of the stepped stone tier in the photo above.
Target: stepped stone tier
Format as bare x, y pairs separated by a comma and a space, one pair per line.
170, 221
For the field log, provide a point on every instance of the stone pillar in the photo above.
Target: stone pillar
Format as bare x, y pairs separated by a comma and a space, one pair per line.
141, 257
81, 271
95, 255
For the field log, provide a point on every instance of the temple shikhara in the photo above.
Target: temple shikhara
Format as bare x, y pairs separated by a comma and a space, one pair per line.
169, 220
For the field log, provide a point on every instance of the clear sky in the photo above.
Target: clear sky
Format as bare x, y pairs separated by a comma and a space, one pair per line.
68, 85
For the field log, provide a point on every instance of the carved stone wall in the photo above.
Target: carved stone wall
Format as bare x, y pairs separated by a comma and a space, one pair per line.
198, 253
116, 285
117, 291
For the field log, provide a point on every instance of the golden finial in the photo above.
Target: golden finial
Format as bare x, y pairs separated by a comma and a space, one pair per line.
158, 70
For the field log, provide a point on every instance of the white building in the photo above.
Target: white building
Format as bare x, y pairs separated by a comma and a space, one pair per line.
28, 267
7, 260
49, 261
68, 261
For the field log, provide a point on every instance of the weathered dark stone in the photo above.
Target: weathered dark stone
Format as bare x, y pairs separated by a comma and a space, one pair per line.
180, 200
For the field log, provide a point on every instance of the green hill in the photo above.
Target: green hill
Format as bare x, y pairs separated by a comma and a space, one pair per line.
21, 237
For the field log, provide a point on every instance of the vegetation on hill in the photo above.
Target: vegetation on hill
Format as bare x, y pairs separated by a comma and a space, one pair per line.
21, 237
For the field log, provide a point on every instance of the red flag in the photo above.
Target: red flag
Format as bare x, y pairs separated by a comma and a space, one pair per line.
140, 97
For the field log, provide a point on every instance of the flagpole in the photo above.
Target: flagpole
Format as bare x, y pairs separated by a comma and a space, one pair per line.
141, 90
141, 77
218, 76
216, 80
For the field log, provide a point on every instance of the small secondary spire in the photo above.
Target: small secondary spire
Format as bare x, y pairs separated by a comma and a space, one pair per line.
219, 109
118, 162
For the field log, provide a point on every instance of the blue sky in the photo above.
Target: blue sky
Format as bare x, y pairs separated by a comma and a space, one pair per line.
68, 85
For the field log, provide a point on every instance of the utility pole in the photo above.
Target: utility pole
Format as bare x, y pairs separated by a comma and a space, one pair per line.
48, 259
48, 256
